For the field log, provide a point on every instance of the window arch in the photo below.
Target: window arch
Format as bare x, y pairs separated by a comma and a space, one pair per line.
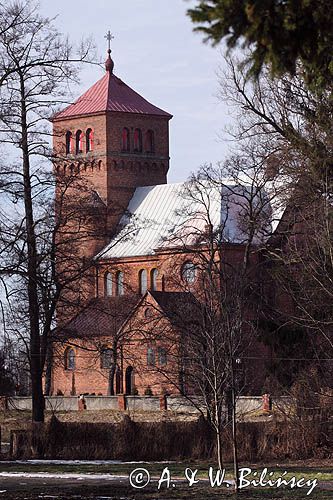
108, 284
69, 359
162, 356
153, 279
106, 357
137, 140
189, 272
78, 142
125, 139
89, 140
143, 281
149, 141
69, 142
150, 356
120, 283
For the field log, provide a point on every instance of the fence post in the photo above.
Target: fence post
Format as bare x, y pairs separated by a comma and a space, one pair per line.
163, 403
266, 402
122, 402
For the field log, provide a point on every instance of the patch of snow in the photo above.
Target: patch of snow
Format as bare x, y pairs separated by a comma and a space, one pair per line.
49, 475
79, 462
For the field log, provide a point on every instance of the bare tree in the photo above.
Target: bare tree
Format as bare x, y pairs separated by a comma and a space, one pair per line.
292, 130
222, 226
36, 67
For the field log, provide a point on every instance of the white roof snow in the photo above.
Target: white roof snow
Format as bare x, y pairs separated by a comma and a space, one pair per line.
175, 215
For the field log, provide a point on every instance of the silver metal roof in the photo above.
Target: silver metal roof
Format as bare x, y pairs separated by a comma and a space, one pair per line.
175, 215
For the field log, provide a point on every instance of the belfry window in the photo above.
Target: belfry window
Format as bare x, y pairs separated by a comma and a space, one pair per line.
137, 140
143, 282
120, 283
69, 359
150, 356
125, 139
69, 140
89, 140
153, 279
78, 142
149, 141
108, 285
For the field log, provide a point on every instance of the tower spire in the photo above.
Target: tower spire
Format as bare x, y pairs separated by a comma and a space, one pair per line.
109, 64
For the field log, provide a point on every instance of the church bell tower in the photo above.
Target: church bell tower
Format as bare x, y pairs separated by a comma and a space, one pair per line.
106, 144
117, 140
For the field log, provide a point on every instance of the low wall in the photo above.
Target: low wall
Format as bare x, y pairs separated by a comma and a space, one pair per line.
245, 404
142, 403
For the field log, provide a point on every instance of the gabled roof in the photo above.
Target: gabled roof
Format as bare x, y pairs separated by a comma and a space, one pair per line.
181, 308
173, 215
110, 93
102, 317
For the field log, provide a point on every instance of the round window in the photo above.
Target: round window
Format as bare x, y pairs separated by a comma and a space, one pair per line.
189, 272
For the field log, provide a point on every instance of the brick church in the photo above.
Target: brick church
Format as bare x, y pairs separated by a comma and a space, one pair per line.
136, 289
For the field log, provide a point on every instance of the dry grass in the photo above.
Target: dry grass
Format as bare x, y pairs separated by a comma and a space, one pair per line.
21, 419
173, 440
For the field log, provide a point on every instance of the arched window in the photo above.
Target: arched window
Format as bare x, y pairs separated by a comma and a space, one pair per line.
153, 279
107, 284
120, 283
137, 140
89, 140
188, 272
106, 358
69, 359
143, 282
69, 141
78, 142
162, 356
149, 141
125, 139
150, 356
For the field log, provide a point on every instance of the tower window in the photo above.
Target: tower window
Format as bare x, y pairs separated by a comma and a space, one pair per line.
69, 359
189, 272
149, 142
108, 285
137, 140
143, 285
125, 140
150, 356
78, 142
153, 279
69, 140
120, 283
89, 140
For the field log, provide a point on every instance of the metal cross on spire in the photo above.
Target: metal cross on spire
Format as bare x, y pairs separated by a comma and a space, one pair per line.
109, 37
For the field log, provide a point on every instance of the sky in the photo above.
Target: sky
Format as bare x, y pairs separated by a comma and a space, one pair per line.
157, 54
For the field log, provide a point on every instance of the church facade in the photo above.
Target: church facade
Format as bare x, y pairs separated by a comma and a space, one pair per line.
136, 292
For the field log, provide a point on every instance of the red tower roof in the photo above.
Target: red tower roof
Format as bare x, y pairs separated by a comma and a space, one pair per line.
110, 94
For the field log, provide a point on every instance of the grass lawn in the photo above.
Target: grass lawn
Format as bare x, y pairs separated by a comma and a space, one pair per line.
195, 493
322, 473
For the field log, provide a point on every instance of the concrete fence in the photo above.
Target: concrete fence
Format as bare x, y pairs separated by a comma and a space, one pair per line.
179, 404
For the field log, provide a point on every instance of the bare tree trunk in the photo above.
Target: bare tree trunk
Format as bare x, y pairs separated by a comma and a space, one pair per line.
219, 447
48, 370
36, 369
234, 426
